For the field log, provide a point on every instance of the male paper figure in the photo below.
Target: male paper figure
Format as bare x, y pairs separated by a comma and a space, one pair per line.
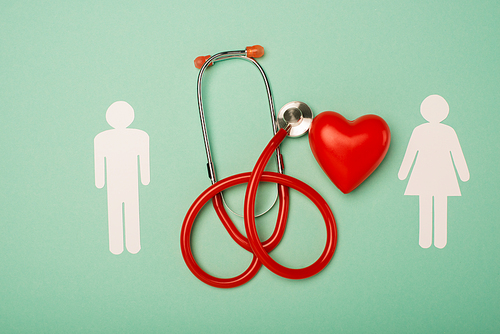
116, 154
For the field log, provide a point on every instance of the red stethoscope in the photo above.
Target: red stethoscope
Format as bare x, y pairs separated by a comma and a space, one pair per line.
294, 119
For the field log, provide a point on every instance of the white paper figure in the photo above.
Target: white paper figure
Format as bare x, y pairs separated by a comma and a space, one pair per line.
433, 177
117, 152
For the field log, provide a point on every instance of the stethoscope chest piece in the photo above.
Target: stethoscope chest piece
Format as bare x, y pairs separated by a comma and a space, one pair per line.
298, 115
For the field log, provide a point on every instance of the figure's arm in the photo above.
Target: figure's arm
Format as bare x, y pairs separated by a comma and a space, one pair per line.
144, 160
459, 159
98, 164
411, 152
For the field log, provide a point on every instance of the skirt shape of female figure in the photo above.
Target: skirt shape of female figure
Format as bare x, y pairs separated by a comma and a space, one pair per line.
433, 178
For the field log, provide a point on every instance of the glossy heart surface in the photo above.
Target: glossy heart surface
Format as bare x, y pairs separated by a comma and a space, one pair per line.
348, 151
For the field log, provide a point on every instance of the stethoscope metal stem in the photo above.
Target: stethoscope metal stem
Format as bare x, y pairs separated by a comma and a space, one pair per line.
224, 56
210, 164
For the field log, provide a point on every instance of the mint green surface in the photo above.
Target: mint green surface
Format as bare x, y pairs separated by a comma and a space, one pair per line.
62, 63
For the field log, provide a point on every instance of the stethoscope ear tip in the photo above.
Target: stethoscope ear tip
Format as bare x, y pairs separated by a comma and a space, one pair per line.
200, 61
297, 116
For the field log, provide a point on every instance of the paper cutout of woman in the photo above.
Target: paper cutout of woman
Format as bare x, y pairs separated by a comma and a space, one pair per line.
433, 177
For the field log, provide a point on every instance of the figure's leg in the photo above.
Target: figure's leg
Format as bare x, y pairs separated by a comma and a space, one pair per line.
132, 228
425, 212
440, 221
115, 226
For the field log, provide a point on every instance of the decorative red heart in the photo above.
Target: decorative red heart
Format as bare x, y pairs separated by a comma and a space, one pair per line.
348, 151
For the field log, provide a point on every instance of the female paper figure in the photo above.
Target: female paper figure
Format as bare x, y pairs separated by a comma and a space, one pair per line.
433, 177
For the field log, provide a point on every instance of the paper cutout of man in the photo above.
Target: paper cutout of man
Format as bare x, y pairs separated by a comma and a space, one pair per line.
116, 154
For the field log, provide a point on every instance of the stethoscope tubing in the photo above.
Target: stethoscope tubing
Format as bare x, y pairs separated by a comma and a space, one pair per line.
309, 192
252, 242
212, 192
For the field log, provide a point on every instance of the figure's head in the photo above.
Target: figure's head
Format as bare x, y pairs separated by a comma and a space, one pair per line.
434, 108
120, 115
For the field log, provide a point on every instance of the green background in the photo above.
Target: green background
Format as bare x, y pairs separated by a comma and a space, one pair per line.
62, 63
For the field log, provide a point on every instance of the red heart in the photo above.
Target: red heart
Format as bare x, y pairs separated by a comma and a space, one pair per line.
348, 151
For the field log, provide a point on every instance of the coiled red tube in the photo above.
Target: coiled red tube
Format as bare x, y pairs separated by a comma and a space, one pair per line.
249, 213
213, 193
253, 244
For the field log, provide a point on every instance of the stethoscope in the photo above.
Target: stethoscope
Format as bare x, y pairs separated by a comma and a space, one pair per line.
294, 120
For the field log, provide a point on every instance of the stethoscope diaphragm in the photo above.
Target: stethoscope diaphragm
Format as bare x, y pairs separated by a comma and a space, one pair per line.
298, 115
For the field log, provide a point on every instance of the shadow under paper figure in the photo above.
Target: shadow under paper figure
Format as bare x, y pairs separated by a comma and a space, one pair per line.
433, 177
116, 154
